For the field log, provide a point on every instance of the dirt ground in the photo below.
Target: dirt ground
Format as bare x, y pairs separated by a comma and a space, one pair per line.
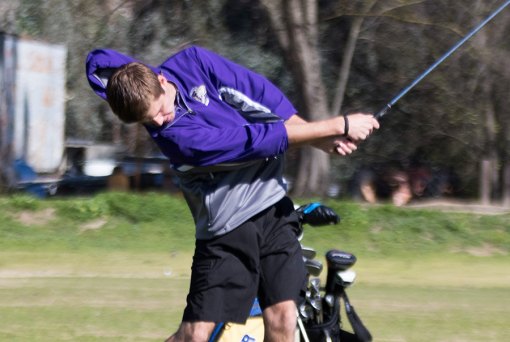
454, 205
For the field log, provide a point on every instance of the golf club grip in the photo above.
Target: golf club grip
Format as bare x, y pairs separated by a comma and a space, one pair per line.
330, 281
382, 112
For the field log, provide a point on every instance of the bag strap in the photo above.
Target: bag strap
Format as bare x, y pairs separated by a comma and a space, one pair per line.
358, 327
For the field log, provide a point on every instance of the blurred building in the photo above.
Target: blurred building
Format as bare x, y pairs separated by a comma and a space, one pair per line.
32, 105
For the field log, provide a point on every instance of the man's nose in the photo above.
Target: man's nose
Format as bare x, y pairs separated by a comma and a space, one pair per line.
157, 121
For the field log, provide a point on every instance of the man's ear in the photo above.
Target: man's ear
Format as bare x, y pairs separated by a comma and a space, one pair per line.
162, 80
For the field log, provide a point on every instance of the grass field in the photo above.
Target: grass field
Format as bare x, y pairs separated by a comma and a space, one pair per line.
115, 267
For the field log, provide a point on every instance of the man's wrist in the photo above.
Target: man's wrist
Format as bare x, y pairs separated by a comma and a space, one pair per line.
346, 126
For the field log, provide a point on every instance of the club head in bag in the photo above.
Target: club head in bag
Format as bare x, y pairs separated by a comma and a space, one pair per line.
313, 267
345, 278
316, 299
329, 301
308, 252
306, 312
316, 303
337, 261
315, 286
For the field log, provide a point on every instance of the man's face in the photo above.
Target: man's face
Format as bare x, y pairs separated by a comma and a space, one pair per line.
162, 108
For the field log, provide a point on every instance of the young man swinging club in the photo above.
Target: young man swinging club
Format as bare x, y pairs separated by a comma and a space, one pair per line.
225, 130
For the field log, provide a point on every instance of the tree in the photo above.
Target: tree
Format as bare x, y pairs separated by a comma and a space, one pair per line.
491, 47
296, 24
355, 53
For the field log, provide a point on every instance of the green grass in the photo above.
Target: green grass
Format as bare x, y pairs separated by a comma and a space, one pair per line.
89, 309
115, 267
433, 313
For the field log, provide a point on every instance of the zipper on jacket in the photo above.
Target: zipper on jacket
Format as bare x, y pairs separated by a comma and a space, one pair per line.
184, 104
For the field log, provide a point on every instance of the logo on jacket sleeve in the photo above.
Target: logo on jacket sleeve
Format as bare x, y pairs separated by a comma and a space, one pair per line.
200, 94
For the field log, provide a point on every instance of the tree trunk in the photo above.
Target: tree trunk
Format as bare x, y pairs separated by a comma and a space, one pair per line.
489, 176
506, 184
313, 173
489, 179
345, 66
506, 164
485, 181
295, 22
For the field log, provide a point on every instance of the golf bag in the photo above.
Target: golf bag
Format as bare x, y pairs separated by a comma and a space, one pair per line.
251, 331
315, 324
331, 329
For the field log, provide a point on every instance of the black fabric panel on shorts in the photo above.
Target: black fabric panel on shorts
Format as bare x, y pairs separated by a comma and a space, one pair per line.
261, 257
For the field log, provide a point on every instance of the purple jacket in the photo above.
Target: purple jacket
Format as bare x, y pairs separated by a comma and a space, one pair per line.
228, 137
231, 114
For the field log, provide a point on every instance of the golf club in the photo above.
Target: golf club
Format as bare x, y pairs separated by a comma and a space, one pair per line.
390, 104
330, 301
316, 300
345, 278
313, 267
327, 335
308, 252
306, 312
337, 261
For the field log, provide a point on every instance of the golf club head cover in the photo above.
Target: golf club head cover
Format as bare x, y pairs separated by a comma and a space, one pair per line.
316, 214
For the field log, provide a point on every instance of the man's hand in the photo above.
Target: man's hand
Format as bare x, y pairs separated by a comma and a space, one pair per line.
344, 146
360, 126
341, 146
316, 214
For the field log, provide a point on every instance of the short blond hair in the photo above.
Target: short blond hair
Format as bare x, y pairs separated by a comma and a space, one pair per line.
131, 90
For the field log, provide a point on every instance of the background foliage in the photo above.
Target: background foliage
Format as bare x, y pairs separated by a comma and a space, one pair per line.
453, 120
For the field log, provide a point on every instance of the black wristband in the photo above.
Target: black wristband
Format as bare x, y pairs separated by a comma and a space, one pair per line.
346, 126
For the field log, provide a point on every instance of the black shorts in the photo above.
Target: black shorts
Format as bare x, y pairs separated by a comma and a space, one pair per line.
261, 258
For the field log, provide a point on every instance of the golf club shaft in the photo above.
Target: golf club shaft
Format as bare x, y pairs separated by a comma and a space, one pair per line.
390, 104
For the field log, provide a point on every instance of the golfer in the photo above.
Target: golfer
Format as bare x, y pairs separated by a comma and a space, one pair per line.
225, 130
